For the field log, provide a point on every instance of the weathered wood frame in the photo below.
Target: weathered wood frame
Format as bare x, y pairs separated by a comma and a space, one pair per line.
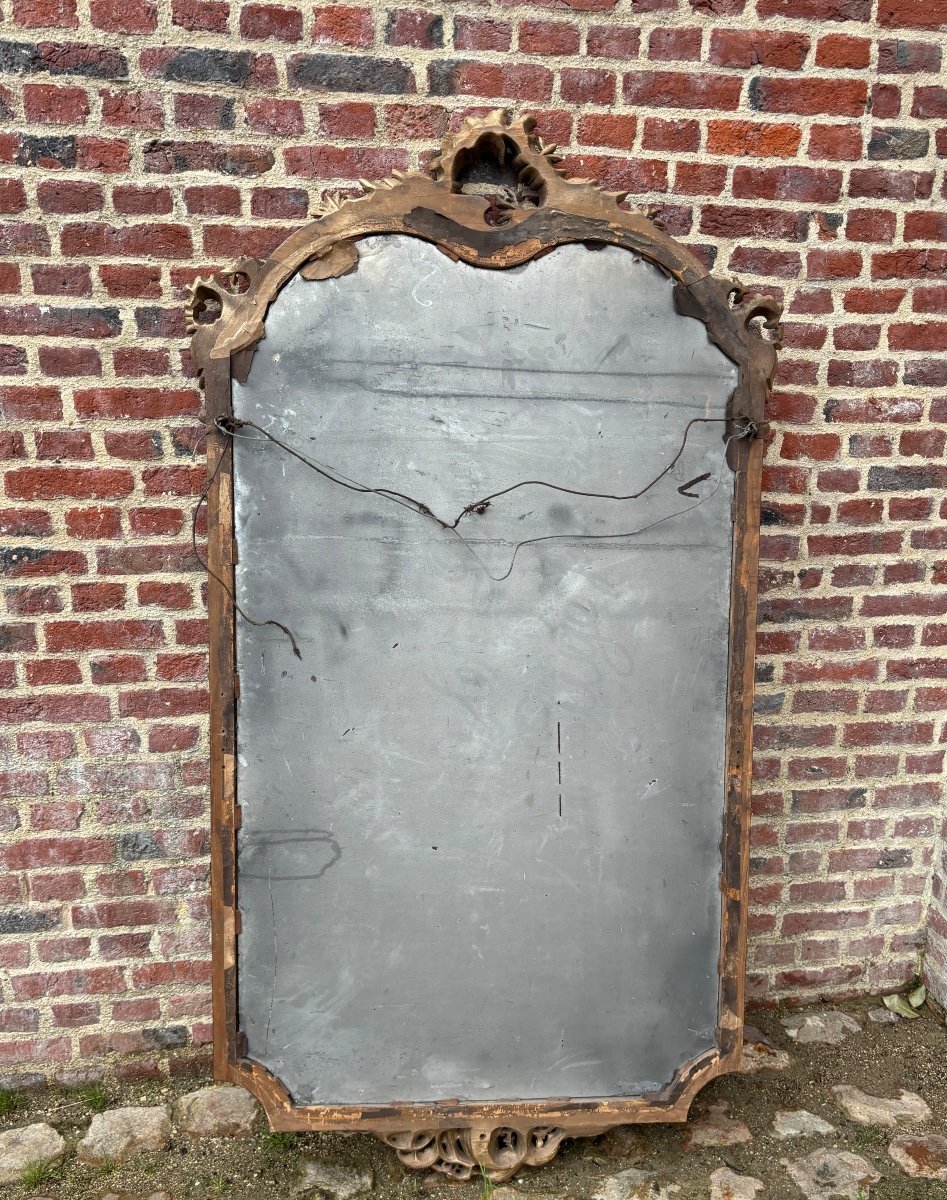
546, 210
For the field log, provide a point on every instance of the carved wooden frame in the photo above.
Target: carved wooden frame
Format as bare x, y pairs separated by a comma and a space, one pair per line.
543, 211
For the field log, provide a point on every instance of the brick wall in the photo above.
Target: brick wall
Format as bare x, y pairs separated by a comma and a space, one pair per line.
798, 143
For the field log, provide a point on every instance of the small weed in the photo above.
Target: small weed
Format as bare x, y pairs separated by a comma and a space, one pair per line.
95, 1097
37, 1173
282, 1142
869, 1135
219, 1185
486, 1185
10, 1102
106, 1167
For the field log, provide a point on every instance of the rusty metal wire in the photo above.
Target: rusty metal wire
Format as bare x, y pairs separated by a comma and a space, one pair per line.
231, 427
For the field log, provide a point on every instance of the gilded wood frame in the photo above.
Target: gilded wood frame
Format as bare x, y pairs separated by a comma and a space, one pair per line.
545, 210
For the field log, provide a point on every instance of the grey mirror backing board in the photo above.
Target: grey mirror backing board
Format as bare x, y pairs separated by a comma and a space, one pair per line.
484, 477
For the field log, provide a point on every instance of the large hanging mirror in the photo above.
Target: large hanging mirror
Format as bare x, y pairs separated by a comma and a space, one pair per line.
484, 465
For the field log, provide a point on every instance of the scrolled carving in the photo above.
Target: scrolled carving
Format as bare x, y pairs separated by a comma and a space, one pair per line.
749, 308
497, 1151
210, 303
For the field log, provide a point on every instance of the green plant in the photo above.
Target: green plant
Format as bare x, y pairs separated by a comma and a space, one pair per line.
95, 1097
36, 1173
106, 1167
486, 1184
10, 1101
219, 1185
869, 1135
282, 1142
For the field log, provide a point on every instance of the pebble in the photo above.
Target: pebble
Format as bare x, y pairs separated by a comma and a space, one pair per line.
832, 1174
217, 1112
321, 1179
883, 1016
123, 1133
727, 1185
921, 1157
799, 1123
714, 1128
908, 1109
762, 1056
20, 1148
829, 1026
634, 1185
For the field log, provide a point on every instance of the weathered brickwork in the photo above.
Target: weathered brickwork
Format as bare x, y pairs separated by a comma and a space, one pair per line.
798, 143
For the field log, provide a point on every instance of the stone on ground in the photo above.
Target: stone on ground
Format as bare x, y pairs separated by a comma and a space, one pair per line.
760, 1054
324, 1181
908, 1109
799, 1123
634, 1185
21, 1148
216, 1112
832, 1175
921, 1157
129, 1196
123, 1133
828, 1025
883, 1016
714, 1128
727, 1185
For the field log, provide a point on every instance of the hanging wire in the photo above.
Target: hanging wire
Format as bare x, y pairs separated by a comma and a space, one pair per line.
231, 426
213, 574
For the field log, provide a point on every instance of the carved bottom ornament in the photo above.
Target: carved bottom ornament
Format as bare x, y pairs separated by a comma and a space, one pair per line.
495, 1151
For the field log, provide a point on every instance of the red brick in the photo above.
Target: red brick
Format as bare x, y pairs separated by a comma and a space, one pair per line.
45, 13
135, 110
747, 48
343, 25
676, 44
672, 89
124, 16
67, 196
548, 37
208, 16
61, 280
840, 51
878, 183
259, 21
835, 143
587, 85
912, 14
810, 96
613, 41
481, 33
874, 300
817, 10
870, 225
605, 130
749, 138
787, 183
899, 57
343, 162
55, 105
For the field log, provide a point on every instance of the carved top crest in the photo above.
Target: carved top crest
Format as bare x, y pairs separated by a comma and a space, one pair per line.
494, 196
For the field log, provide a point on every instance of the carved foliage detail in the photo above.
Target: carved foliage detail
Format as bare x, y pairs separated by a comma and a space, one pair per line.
496, 1151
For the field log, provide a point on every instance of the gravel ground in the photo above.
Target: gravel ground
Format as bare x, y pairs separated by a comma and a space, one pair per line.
880, 1060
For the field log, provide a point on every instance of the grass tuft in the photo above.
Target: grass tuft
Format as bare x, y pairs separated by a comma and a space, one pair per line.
10, 1101
95, 1097
37, 1173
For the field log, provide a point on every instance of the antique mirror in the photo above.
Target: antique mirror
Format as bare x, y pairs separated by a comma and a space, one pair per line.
484, 455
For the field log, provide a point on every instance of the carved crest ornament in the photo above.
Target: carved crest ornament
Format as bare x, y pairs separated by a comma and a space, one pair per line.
494, 197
